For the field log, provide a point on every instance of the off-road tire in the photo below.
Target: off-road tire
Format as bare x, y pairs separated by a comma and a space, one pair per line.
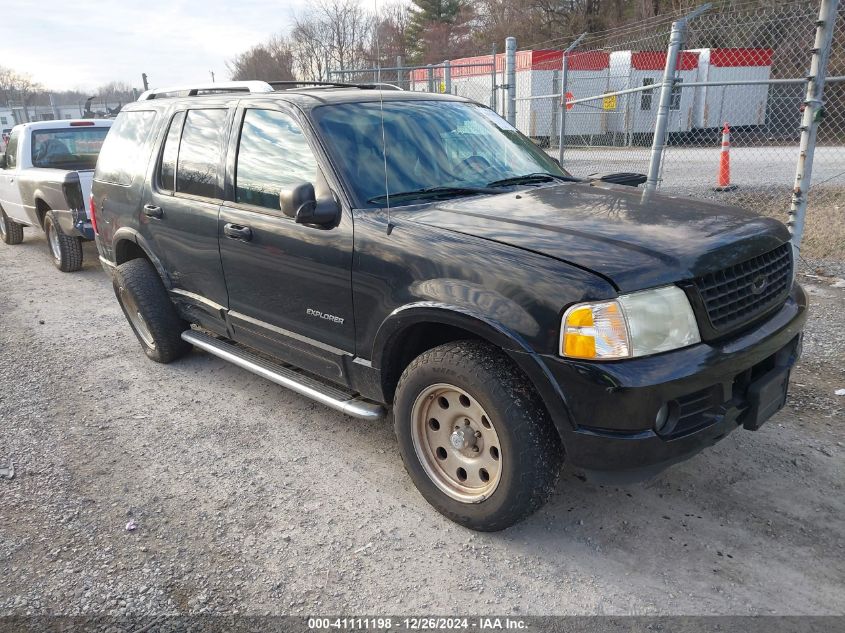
10, 231
139, 289
68, 259
531, 451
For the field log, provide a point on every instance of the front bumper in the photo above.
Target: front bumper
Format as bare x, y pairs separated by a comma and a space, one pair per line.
610, 408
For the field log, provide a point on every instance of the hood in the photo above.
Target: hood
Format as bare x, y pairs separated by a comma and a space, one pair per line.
634, 239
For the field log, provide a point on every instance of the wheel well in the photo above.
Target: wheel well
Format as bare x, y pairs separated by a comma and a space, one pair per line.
409, 343
126, 250
41, 209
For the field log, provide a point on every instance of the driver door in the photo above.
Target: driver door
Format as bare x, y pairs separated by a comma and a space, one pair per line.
289, 284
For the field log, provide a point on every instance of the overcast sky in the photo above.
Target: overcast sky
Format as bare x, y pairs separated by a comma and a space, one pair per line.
71, 44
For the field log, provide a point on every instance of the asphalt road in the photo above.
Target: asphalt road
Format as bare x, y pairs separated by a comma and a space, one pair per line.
765, 172
248, 498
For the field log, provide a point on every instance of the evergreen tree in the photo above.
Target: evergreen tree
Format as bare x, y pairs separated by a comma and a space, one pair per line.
435, 16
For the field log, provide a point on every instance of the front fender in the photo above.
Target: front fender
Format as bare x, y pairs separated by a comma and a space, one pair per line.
494, 332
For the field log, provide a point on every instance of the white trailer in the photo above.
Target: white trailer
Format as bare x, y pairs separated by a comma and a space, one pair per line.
636, 112
538, 72
735, 105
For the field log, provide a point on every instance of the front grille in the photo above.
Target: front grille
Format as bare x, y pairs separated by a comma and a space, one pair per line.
733, 296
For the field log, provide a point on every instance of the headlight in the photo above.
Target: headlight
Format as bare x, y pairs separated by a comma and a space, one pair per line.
636, 324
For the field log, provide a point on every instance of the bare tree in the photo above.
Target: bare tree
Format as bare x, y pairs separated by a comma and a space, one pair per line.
272, 60
337, 32
15, 86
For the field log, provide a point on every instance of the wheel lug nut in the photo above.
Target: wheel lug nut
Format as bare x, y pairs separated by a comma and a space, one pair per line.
478, 434
475, 449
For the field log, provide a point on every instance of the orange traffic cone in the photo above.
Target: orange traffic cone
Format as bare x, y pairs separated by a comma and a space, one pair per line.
724, 182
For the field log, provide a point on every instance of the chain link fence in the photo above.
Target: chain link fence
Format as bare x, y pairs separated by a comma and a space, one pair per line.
741, 71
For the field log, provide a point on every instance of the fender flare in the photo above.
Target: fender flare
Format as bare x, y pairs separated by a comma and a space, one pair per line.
517, 349
129, 234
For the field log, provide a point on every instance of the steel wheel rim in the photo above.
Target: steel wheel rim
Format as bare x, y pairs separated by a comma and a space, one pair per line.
53, 239
457, 444
135, 318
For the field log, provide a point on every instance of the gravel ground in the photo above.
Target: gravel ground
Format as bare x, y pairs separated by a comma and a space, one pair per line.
246, 498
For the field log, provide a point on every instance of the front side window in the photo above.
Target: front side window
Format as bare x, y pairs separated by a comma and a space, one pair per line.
68, 148
121, 153
273, 155
12, 150
167, 167
426, 144
200, 152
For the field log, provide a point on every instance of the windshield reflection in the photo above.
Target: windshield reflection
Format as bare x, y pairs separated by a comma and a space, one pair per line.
425, 145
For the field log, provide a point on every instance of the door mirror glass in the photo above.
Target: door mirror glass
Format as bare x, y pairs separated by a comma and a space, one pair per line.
301, 204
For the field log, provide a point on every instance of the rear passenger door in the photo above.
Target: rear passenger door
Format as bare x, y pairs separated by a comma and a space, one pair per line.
289, 284
179, 218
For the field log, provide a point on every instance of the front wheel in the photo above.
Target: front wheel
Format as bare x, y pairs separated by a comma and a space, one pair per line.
474, 436
65, 249
10, 231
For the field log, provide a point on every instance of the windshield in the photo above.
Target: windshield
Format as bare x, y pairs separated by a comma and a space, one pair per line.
67, 148
455, 148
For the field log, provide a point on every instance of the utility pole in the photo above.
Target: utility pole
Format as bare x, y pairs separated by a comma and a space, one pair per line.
144, 79
212, 75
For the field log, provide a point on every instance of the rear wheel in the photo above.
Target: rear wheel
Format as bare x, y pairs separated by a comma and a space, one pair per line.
149, 310
65, 249
474, 436
10, 231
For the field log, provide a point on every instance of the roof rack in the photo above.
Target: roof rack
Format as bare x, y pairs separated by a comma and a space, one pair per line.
209, 88
253, 87
334, 84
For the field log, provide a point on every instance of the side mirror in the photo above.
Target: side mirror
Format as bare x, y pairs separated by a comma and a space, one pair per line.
301, 204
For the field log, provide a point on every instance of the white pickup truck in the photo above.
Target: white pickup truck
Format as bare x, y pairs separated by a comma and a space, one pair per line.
45, 182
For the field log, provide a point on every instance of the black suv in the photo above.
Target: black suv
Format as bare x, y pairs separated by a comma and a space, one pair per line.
378, 249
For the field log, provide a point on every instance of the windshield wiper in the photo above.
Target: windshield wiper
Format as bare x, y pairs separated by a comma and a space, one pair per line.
434, 192
527, 179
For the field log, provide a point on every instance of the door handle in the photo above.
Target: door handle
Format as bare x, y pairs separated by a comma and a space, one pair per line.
237, 232
152, 211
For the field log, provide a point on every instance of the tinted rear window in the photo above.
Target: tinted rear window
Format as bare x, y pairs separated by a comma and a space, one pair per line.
200, 153
120, 157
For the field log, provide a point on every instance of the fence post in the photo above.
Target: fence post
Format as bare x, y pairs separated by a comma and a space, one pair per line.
493, 81
399, 71
564, 77
676, 44
447, 77
813, 111
510, 74
430, 75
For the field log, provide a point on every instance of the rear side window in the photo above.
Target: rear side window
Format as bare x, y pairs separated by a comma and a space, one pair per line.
122, 151
273, 155
200, 153
167, 167
12, 150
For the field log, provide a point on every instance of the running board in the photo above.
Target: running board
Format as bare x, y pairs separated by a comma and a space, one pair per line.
348, 403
